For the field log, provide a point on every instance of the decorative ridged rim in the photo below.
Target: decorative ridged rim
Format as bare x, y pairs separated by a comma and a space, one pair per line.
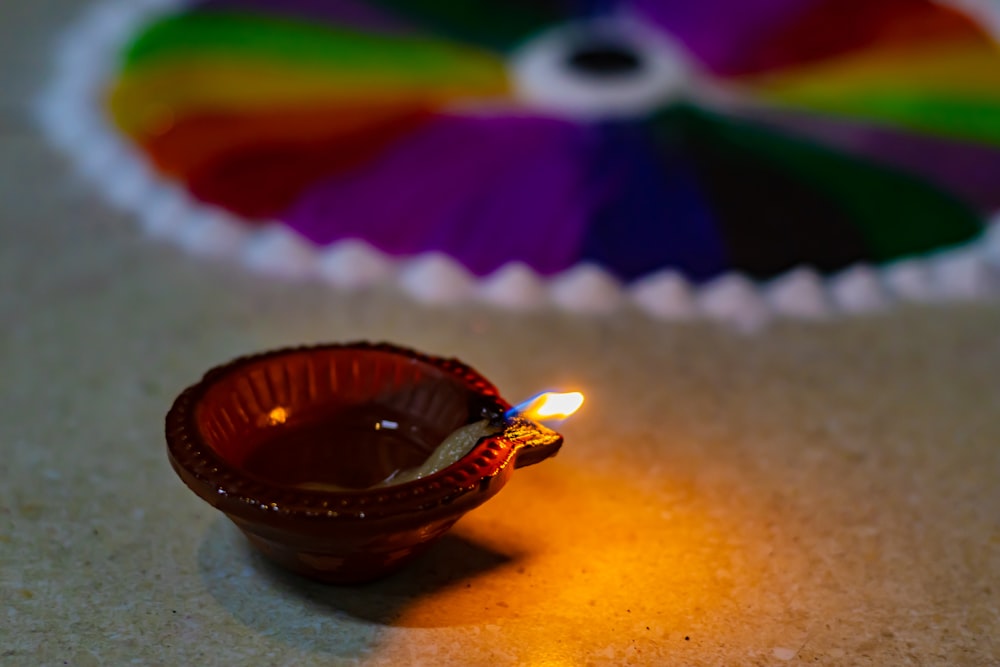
72, 118
191, 454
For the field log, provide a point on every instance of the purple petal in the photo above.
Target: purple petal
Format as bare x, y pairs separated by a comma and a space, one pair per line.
483, 190
719, 33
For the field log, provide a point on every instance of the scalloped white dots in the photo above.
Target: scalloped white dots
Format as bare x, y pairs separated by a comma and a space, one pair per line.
437, 279
80, 65
964, 275
547, 77
165, 211
114, 23
991, 242
280, 252
910, 280
514, 285
353, 264
799, 294
734, 300
130, 184
55, 115
98, 159
587, 289
212, 234
117, 159
85, 69
859, 289
666, 295
68, 130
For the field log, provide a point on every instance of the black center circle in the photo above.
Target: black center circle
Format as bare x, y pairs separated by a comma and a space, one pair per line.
604, 59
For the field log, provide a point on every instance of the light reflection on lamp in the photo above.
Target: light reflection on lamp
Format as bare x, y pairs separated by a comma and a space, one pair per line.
278, 415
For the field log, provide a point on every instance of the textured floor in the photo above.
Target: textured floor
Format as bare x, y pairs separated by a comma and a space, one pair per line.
824, 494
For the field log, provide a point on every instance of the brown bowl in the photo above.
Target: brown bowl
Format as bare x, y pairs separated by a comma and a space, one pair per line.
292, 444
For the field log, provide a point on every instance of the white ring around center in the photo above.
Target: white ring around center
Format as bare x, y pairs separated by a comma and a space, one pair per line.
544, 78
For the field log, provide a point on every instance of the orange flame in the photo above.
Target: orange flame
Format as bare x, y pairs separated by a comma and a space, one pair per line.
550, 406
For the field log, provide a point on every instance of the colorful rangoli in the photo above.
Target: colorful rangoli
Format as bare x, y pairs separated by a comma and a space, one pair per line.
721, 157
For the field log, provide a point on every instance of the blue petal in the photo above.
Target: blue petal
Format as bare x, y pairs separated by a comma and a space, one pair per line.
653, 215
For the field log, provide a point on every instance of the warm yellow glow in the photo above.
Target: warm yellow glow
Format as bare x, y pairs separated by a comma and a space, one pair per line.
575, 566
553, 405
278, 415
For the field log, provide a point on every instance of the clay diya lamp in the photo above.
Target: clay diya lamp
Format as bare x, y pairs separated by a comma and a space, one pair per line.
330, 458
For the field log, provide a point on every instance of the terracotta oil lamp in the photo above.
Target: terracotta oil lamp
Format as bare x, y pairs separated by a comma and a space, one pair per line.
345, 461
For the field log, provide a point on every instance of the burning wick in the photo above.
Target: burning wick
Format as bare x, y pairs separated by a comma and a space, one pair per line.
547, 406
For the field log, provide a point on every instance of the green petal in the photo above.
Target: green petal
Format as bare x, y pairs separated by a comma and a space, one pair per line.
311, 46
897, 214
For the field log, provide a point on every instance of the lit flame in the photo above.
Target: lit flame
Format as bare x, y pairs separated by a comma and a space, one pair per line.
548, 406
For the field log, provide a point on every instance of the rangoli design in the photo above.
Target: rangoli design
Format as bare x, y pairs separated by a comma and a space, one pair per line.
720, 158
